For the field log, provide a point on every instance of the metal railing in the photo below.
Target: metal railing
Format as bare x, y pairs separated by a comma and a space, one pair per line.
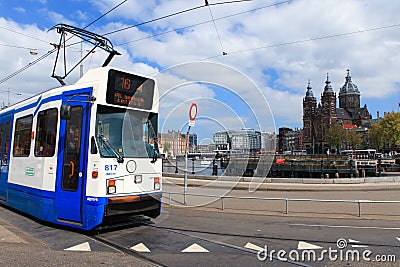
286, 200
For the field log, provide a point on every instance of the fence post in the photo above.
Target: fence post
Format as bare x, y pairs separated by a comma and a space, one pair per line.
215, 168
222, 203
287, 206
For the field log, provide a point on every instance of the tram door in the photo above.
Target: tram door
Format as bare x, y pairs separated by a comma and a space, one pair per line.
5, 132
72, 160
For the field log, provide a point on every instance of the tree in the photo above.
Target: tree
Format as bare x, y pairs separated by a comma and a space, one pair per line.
390, 127
335, 136
167, 146
375, 136
353, 138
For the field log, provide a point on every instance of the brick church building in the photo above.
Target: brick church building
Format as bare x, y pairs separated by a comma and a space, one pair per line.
317, 118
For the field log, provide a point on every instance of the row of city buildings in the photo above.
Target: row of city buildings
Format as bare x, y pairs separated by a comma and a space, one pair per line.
311, 139
244, 141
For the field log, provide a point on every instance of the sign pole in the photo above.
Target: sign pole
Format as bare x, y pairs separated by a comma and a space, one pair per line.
192, 117
186, 166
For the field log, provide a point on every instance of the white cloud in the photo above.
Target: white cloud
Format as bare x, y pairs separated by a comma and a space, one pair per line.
281, 71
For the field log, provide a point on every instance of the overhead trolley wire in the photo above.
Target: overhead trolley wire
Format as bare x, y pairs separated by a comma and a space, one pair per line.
208, 21
122, 29
50, 51
174, 14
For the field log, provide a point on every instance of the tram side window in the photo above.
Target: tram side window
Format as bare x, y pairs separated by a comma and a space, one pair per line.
22, 136
46, 131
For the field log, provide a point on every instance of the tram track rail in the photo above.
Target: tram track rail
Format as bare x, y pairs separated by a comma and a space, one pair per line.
183, 232
216, 242
125, 250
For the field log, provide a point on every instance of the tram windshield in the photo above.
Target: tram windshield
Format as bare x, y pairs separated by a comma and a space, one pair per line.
126, 133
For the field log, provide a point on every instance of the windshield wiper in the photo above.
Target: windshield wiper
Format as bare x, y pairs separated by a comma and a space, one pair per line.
120, 159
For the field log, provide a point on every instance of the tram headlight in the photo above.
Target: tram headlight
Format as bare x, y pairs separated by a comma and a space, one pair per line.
157, 185
111, 188
138, 179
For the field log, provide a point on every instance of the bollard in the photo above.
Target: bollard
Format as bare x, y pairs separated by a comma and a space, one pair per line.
379, 166
363, 173
351, 168
292, 169
193, 165
322, 169
176, 165
215, 168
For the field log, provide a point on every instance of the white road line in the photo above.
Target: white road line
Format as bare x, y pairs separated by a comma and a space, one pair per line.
345, 226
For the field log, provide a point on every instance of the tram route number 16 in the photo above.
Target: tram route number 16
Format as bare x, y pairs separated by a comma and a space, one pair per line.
110, 167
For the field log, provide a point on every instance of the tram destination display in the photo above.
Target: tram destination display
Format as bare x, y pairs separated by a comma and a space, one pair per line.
124, 89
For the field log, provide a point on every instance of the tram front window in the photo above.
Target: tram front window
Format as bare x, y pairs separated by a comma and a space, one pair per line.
126, 133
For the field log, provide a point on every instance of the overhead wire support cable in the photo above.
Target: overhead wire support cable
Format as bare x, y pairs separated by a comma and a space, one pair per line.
307, 40
216, 29
23, 34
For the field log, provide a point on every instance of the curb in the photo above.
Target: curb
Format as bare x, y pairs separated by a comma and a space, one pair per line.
297, 184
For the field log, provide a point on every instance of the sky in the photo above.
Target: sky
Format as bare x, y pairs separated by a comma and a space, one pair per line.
246, 63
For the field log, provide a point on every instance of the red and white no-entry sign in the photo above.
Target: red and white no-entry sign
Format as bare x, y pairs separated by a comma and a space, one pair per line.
193, 112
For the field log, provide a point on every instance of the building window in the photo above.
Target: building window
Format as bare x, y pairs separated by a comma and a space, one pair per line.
22, 136
46, 132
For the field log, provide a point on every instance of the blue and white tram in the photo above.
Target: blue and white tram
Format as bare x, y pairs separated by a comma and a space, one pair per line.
79, 154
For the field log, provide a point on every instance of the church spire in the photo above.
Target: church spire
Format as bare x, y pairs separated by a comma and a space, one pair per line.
309, 93
328, 86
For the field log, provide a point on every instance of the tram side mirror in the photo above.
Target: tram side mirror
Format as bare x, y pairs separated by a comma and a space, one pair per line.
65, 112
93, 146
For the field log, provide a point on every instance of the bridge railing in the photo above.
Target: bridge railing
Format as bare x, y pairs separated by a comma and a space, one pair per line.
286, 201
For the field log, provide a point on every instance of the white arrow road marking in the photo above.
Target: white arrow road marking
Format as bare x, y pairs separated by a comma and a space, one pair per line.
253, 247
140, 248
398, 239
195, 248
359, 246
81, 247
305, 245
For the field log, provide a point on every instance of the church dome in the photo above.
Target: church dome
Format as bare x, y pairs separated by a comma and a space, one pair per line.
349, 87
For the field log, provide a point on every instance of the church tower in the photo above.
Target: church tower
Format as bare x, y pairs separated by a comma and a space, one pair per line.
328, 113
349, 96
328, 102
309, 115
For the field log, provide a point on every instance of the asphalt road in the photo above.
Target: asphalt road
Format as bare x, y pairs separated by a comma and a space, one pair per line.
195, 237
